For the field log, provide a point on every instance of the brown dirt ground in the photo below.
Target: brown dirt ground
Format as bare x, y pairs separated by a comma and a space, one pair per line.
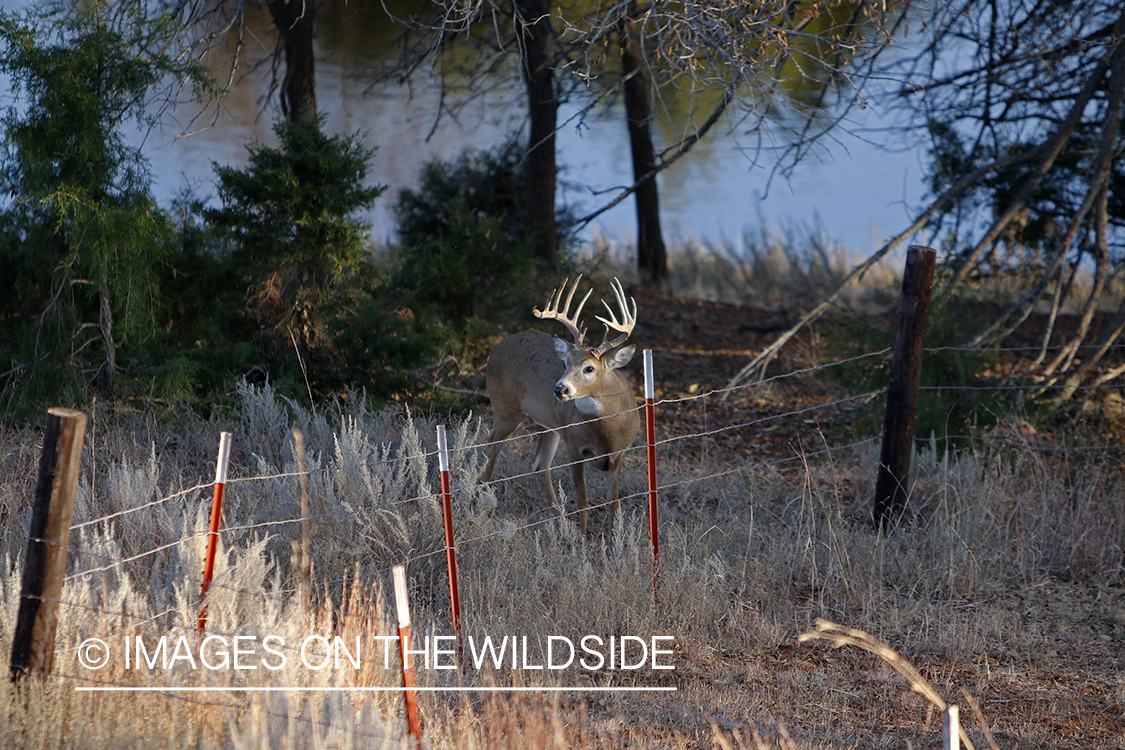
1073, 696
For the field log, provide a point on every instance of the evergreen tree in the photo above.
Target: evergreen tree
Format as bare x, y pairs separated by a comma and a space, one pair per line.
81, 237
291, 218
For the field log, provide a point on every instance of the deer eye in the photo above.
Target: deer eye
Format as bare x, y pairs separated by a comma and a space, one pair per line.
588, 369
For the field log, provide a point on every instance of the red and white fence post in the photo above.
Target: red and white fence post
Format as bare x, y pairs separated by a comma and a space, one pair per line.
951, 740
410, 695
447, 515
216, 515
650, 439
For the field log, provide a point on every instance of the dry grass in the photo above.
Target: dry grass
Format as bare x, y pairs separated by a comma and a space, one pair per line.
1006, 580
769, 269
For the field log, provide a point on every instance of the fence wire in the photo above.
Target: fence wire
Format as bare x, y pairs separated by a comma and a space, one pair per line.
466, 449
427, 455
141, 563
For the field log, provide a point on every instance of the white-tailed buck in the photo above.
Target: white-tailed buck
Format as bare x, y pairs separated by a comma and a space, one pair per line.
572, 391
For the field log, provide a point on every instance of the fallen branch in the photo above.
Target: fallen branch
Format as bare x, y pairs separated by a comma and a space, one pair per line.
842, 635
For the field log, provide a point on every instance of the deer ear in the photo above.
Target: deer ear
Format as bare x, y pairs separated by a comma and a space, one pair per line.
562, 348
621, 357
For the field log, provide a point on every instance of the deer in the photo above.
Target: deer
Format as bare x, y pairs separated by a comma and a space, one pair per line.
571, 391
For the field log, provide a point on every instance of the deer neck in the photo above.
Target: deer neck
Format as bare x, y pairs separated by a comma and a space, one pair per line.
588, 406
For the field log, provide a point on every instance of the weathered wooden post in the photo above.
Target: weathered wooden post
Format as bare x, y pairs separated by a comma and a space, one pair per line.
303, 556
33, 642
902, 390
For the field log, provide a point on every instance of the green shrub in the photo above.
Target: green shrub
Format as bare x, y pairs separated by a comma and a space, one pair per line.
489, 183
83, 239
466, 256
473, 269
319, 319
291, 218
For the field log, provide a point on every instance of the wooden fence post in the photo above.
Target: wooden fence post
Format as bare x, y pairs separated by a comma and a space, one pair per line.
33, 642
303, 556
902, 390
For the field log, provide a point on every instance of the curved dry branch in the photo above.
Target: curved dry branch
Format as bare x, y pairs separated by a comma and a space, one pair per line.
1113, 333
1065, 357
761, 361
1052, 150
1101, 168
842, 635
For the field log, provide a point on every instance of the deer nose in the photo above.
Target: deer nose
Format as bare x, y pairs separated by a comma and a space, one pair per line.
562, 392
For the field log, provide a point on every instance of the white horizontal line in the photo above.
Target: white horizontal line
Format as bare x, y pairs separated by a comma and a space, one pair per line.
452, 689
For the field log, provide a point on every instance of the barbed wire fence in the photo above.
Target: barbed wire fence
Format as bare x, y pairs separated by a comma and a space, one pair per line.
149, 563
198, 489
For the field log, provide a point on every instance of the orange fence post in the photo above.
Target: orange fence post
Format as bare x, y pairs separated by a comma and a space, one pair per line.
216, 515
410, 695
447, 515
650, 438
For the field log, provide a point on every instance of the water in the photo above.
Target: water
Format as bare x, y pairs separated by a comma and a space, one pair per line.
855, 191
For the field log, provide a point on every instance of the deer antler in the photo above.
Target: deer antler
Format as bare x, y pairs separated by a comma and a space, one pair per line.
624, 326
551, 311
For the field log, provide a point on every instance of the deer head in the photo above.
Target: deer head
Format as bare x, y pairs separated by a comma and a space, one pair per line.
587, 378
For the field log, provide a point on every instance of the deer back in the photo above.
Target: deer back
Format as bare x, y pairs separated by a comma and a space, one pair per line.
520, 378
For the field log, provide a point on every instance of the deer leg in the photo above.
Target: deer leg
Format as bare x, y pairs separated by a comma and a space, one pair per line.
544, 454
578, 472
502, 428
615, 466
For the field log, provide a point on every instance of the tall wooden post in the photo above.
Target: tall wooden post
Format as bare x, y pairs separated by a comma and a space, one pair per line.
902, 390
33, 642
303, 567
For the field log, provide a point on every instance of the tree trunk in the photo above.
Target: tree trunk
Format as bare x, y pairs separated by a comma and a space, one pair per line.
652, 260
533, 29
294, 22
108, 370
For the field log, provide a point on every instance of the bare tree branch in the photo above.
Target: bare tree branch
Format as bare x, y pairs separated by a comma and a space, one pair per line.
757, 366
